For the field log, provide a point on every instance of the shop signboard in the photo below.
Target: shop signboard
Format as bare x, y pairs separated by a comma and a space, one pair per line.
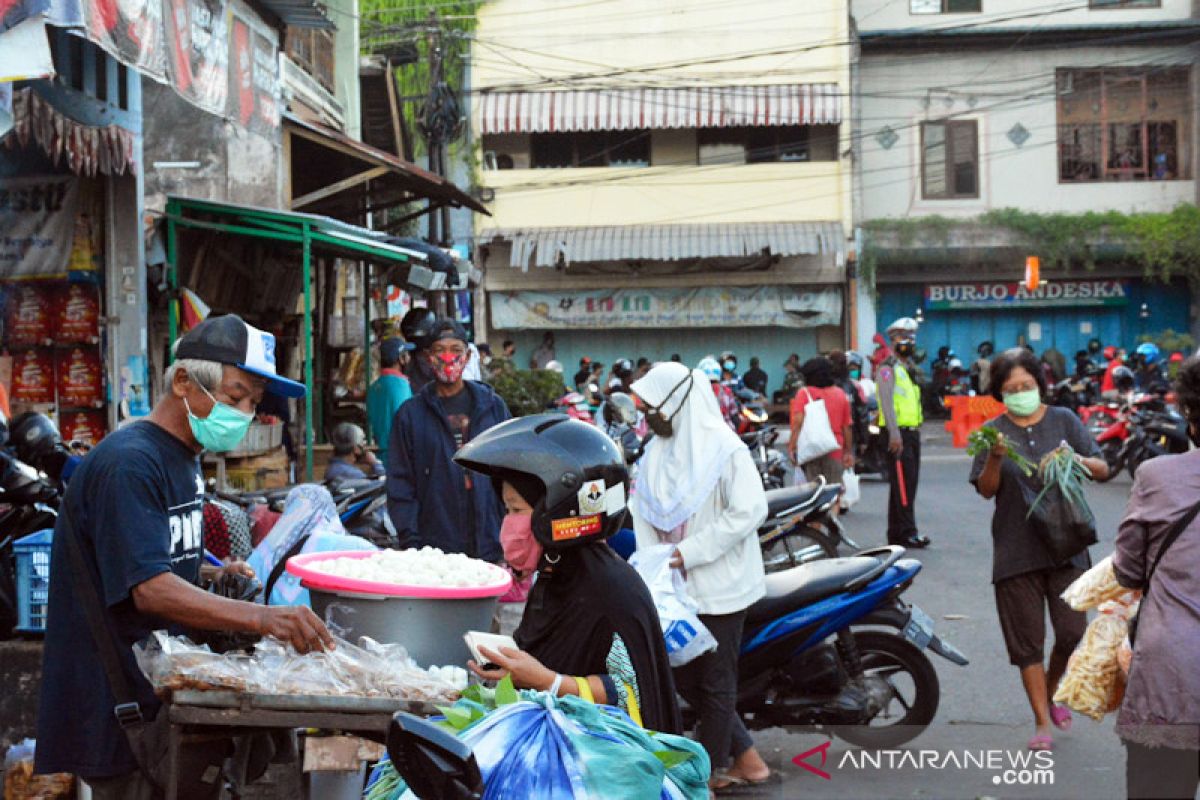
37, 225
198, 51
1016, 295
789, 307
130, 30
254, 77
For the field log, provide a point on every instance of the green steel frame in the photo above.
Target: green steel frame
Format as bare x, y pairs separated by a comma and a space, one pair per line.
316, 236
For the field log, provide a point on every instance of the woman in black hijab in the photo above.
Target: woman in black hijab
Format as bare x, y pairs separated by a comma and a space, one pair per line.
590, 627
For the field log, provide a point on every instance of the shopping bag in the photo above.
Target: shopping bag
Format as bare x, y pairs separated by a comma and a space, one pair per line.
816, 434
1064, 527
686, 636
851, 491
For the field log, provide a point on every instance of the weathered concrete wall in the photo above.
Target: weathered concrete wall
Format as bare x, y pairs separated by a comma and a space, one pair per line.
236, 165
21, 677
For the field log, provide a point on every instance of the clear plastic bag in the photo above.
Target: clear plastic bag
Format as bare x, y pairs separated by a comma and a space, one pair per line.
173, 663
1093, 683
1096, 586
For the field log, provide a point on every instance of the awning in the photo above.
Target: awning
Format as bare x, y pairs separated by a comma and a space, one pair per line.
299, 13
632, 109
331, 172
543, 247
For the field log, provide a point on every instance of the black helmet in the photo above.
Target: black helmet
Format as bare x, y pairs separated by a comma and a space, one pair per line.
1123, 378
986, 349
580, 469
417, 326
33, 437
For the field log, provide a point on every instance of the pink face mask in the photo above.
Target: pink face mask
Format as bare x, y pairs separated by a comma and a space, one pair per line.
521, 549
448, 367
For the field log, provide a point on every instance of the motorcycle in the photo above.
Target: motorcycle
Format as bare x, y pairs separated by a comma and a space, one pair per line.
870, 440
801, 526
575, 406
813, 657
1152, 433
29, 501
771, 464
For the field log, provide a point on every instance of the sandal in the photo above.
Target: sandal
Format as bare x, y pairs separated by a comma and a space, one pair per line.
724, 780
1060, 715
1041, 742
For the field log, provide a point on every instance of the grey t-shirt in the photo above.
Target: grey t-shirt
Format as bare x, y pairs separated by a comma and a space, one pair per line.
1016, 548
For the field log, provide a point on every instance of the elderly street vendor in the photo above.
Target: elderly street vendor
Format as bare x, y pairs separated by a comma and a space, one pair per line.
133, 512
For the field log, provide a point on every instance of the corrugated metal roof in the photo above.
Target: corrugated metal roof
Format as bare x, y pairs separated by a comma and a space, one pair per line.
541, 247
645, 108
299, 13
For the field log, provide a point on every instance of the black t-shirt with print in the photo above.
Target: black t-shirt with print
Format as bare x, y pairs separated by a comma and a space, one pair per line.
458, 414
136, 502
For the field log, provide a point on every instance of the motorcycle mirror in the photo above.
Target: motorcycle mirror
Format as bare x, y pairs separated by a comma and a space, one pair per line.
434, 763
620, 408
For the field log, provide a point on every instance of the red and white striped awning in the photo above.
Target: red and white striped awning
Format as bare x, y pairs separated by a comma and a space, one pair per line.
634, 109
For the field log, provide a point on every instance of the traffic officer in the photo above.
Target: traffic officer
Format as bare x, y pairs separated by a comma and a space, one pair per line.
900, 413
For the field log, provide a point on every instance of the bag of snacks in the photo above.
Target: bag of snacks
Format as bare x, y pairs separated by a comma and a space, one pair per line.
1093, 683
174, 662
1096, 586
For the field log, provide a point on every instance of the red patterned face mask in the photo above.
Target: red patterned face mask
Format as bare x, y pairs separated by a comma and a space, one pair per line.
448, 367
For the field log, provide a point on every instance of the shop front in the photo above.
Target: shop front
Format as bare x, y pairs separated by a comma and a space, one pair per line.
72, 327
1062, 313
769, 322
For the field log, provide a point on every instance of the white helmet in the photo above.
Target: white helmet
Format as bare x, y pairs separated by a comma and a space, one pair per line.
906, 324
710, 368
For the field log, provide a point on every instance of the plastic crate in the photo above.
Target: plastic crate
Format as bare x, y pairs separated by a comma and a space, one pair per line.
32, 553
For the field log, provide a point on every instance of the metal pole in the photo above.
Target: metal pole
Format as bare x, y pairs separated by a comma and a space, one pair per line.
308, 355
173, 283
366, 290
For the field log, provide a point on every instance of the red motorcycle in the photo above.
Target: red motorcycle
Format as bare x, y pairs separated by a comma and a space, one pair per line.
575, 406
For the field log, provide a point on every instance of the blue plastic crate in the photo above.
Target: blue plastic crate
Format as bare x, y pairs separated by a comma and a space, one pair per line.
32, 553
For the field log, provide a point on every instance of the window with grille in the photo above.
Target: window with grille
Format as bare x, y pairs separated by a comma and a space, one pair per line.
1125, 124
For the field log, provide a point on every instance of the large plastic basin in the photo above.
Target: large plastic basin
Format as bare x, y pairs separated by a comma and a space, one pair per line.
429, 622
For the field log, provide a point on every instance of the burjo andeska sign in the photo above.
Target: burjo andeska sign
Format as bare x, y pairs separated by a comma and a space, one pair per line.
947, 296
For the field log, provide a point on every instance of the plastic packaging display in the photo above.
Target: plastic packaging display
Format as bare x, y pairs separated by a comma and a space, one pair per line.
1094, 684
1096, 586
275, 668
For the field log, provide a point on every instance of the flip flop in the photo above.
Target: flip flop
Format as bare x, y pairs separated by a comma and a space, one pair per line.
727, 781
1060, 715
1041, 742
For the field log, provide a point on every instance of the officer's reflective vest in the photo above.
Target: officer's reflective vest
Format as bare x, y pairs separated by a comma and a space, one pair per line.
906, 397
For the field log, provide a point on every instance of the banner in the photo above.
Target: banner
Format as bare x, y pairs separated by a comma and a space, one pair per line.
254, 78
14, 12
788, 307
25, 52
37, 226
198, 51
952, 296
131, 31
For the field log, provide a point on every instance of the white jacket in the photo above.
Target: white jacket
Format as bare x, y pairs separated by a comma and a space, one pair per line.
721, 552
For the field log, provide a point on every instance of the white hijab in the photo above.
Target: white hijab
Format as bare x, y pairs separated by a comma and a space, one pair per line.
677, 474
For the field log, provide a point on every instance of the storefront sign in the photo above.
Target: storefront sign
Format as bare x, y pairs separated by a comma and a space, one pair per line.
254, 77
666, 308
198, 36
130, 30
37, 226
948, 296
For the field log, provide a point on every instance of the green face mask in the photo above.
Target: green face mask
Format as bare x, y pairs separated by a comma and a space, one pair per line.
224, 427
1023, 404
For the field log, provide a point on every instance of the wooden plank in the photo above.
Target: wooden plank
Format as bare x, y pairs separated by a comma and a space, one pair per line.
340, 186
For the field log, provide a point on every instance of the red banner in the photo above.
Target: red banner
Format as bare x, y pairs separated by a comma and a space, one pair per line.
198, 36
131, 30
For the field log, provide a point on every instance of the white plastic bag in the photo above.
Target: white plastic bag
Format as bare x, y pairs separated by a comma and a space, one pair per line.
851, 491
816, 434
686, 636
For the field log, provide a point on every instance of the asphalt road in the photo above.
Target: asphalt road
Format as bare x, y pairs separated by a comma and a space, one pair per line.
983, 707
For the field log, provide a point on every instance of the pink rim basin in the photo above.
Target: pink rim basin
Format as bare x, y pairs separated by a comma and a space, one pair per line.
302, 567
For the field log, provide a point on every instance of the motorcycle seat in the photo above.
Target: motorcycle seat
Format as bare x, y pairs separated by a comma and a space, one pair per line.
806, 584
790, 499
